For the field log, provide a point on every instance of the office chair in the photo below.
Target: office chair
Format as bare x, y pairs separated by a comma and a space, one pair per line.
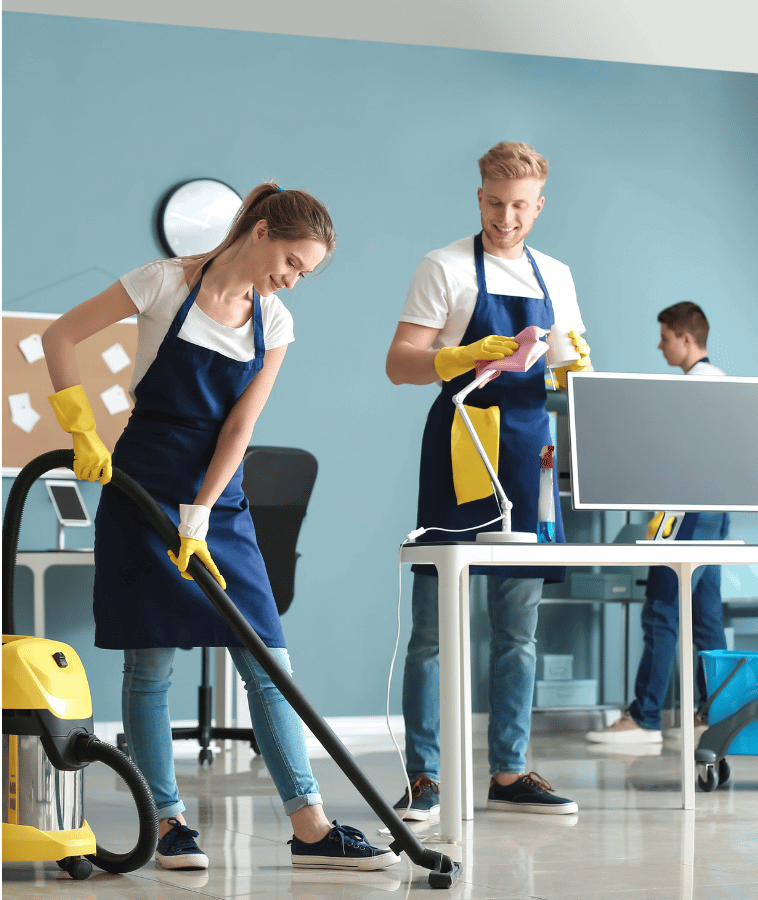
277, 482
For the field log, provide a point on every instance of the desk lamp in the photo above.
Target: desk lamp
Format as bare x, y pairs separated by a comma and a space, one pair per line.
531, 348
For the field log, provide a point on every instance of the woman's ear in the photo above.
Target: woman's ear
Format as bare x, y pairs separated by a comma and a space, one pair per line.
260, 230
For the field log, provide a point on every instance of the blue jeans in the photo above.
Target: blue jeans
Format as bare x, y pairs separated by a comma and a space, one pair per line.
278, 728
660, 625
512, 605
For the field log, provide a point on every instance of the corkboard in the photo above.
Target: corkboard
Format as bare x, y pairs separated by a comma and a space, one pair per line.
22, 377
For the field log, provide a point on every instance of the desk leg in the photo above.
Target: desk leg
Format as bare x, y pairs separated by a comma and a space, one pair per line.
467, 770
449, 573
38, 580
686, 692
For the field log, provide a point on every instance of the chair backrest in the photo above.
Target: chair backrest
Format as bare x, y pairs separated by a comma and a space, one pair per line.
278, 482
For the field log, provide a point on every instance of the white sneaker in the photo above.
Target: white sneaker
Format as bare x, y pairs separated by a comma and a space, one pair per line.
625, 731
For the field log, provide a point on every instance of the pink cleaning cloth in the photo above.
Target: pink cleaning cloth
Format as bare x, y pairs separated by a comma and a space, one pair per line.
530, 349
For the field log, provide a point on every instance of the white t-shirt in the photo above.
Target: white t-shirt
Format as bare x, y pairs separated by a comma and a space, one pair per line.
158, 290
704, 368
443, 290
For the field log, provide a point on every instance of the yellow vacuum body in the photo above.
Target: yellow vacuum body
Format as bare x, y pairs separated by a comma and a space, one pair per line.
46, 707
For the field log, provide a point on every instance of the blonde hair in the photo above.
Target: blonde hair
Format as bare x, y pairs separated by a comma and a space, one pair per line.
291, 216
512, 160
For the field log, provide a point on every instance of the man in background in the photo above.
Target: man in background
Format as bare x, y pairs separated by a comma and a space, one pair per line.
684, 332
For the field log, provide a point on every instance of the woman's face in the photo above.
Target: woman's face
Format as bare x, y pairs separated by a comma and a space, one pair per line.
277, 264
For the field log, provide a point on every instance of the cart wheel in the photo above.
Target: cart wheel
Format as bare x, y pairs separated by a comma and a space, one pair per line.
63, 863
709, 781
724, 772
206, 756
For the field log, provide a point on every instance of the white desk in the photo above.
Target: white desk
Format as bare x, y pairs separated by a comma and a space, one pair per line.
452, 560
39, 561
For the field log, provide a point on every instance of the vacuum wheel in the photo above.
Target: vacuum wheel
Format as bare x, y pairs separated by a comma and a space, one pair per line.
77, 867
724, 772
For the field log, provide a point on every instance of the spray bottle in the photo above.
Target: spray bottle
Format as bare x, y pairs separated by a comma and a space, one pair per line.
546, 499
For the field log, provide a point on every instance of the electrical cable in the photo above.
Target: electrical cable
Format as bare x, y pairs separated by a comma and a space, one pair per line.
410, 538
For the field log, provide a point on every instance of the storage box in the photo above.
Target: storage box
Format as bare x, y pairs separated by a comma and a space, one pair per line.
557, 667
718, 665
576, 692
601, 586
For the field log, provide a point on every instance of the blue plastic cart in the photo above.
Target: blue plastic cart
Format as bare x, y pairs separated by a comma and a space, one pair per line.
731, 677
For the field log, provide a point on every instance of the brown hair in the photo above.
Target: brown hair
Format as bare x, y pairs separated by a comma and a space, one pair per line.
511, 160
686, 316
291, 216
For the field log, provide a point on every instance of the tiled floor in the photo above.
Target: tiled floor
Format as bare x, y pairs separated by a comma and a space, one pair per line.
630, 840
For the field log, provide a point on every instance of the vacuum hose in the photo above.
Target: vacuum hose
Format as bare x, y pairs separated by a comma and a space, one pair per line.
90, 749
87, 748
444, 871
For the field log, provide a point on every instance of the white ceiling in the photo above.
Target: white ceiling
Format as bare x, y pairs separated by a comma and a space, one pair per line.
690, 33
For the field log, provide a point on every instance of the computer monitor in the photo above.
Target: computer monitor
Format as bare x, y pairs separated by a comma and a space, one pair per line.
663, 442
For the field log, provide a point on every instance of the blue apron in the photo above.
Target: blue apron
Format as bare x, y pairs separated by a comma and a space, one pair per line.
524, 431
141, 600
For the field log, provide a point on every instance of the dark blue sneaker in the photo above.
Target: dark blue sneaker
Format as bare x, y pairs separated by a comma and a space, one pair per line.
530, 794
177, 849
343, 848
425, 802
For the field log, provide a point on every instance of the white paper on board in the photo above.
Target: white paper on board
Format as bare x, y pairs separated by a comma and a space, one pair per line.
115, 399
116, 358
31, 347
22, 414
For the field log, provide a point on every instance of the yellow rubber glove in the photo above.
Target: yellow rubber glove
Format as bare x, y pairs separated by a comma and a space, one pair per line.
194, 519
655, 523
583, 349
92, 459
451, 362
200, 549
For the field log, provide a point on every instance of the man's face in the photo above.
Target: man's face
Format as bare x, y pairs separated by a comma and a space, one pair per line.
673, 346
509, 207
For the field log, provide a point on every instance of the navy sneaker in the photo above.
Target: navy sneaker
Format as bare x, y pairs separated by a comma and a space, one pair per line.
177, 849
425, 800
530, 794
343, 848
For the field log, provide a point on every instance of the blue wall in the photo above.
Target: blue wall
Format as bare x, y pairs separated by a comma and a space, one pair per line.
651, 200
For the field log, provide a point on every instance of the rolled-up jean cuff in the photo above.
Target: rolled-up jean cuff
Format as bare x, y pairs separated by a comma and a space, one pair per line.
173, 809
296, 803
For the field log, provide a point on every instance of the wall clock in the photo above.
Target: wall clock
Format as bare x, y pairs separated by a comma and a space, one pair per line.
194, 217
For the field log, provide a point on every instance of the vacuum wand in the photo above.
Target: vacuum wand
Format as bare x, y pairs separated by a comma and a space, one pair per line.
444, 871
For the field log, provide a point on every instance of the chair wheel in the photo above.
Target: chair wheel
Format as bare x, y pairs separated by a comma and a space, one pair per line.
206, 756
708, 781
724, 772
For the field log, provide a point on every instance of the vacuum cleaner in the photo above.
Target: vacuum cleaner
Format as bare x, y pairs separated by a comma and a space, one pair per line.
48, 740
444, 871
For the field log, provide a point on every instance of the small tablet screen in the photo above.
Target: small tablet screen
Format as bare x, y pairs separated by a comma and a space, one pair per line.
68, 503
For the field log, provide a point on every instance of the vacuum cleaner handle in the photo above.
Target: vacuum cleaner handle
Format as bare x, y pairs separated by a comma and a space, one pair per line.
444, 871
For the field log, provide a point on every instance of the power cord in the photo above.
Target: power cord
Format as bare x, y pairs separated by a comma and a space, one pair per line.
410, 538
